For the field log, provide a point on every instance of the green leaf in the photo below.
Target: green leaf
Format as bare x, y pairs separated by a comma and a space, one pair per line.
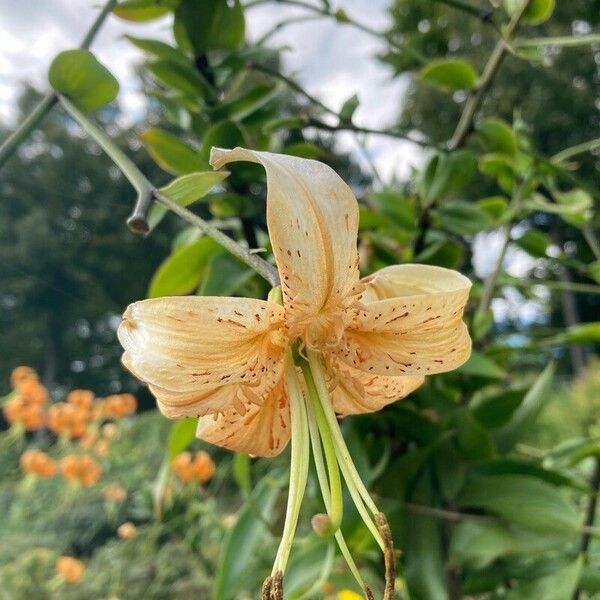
574, 207
572, 452
476, 544
224, 276
494, 206
244, 539
450, 469
480, 365
495, 410
445, 253
586, 333
424, 566
534, 242
170, 153
497, 136
483, 321
212, 24
241, 472
450, 74
306, 150
143, 10
309, 565
499, 166
182, 434
181, 77
183, 270
398, 208
445, 174
526, 414
283, 123
247, 104
473, 440
158, 49
349, 108
537, 12
461, 218
225, 134
526, 501
79, 76
594, 270
557, 586
185, 190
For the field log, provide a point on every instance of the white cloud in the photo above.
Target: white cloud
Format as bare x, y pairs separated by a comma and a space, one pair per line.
333, 61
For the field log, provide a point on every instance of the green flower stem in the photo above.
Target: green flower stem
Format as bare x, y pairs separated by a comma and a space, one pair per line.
299, 465
324, 485
10, 145
357, 489
147, 194
336, 509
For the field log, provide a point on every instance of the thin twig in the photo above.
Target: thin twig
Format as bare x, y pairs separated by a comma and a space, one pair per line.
465, 123
48, 102
490, 281
344, 126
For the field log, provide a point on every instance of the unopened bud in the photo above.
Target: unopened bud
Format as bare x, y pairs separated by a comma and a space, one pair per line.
322, 525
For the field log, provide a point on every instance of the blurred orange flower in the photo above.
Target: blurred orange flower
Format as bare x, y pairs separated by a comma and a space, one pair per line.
83, 469
199, 468
119, 405
127, 531
36, 462
67, 419
71, 569
26, 406
81, 398
114, 493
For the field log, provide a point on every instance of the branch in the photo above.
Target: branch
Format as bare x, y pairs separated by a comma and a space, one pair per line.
147, 193
465, 123
342, 17
48, 102
483, 13
348, 126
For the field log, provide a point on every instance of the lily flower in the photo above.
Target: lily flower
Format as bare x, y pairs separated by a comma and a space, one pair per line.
325, 344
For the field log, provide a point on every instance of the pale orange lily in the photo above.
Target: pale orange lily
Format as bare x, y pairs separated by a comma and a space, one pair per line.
362, 344
377, 336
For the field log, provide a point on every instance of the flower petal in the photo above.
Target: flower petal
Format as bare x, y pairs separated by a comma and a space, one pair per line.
200, 355
313, 222
410, 322
356, 392
260, 430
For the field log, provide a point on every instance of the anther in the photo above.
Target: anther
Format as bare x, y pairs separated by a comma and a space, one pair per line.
389, 557
267, 586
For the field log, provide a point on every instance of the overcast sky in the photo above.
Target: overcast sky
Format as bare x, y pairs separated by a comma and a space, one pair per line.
330, 60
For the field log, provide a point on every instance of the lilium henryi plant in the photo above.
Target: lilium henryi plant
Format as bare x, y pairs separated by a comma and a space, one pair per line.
324, 344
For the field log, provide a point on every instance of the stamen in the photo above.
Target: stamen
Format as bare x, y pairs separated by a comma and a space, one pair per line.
388, 555
298, 469
267, 586
325, 492
277, 589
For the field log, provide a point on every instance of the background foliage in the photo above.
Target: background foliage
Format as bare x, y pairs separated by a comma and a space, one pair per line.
489, 475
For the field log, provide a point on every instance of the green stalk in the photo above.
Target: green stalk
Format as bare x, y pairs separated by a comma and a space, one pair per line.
299, 465
335, 484
147, 194
356, 487
325, 492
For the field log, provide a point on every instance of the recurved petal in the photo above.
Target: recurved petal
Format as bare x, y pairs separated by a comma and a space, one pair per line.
312, 217
410, 322
201, 355
355, 392
260, 430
